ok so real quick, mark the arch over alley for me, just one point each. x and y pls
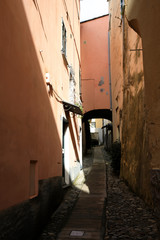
(95, 114)
(98, 113)
(95, 80)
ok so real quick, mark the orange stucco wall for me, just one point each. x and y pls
(31, 120)
(94, 60)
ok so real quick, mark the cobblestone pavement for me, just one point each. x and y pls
(59, 218)
(87, 219)
(127, 216)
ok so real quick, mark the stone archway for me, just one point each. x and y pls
(97, 113)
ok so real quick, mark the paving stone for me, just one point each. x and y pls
(127, 216)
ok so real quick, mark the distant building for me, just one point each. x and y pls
(94, 58)
(96, 131)
(96, 88)
(101, 132)
(40, 123)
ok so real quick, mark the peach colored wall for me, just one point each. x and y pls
(94, 60)
(31, 121)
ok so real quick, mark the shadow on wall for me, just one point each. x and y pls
(73, 136)
(28, 131)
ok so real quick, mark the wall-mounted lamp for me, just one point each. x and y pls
(47, 78)
(49, 85)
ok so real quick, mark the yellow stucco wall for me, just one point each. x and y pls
(143, 17)
(116, 67)
(130, 71)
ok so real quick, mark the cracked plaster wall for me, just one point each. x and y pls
(144, 17)
(135, 89)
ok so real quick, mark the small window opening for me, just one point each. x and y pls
(64, 39)
(33, 191)
(72, 86)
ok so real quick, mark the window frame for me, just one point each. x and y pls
(64, 39)
(33, 179)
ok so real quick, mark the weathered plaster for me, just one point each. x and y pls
(94, 60)
(130, 95)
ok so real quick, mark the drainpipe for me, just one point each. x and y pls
(109, 64)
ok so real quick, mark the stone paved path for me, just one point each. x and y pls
(128, 218)
(87, 218)
(59, 218)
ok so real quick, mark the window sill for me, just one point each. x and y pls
(33, 196)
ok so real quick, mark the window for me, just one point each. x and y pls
(118, 133)
(93, 124)
(80, 84)
(72, 86)
(64, 39)
(33, 191)
(109, 22)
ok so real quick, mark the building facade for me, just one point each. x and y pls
(94, 58)
(134, 50)
(95, 77)
(40, 121)
(145, 21)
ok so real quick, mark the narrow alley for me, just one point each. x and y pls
(101, 206)
(79, 120)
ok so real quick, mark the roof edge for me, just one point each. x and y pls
(95, 18)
